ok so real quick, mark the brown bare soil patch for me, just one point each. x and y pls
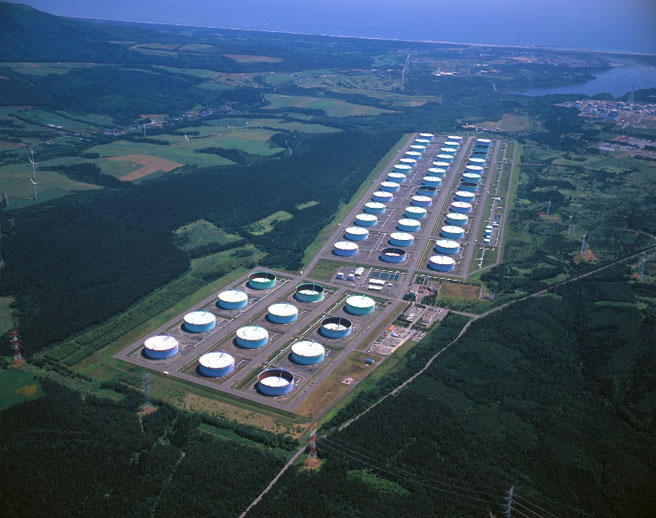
(589, 256)
(10, 145)
(312, 463)
(151, 164)
(552, 217)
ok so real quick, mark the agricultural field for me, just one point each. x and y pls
(17, 386)
(332, 107)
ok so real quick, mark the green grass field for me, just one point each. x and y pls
(17, 386)
(201, 233)
(332, 107)
(7, 321)
(267, 224)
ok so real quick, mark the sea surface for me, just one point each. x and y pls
(615, 82)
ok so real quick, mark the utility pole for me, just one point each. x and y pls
(509, 503)
(146, 383)
(583, 243)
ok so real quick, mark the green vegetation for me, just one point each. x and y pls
(17, 386)
(331, 107)
(267, 224)
(202, 233)
(7, 320)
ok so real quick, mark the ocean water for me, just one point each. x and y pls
(615, 82)
(561, 23)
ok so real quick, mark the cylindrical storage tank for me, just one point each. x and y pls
(483, 142)
(471, 178)
(441, 263)
(449, 151)
(443, 157)
(457, 219)
(489, 227)
(477, 161)
(441, 164)
(374, 207)
(160, 347)
(401, 239)
(308, 352)
(437, 171)
(356, 233)
(393, 255)
(233, 299)
(461, 207)
(447, 246)
(275, 382)
(421, 201)
(415, 155)
(366, 220)
(452, 143)
(402, 169)
(282, 313)
(471, 187)
(396, 177)
(418, 148)
(415, 212)
(199, 321)
(335, 327)
(408, 225)
(427, 190)
(360, 305)
(464, 196)
(261, 280)
(486, 241)
(216, 364)
(345, 248)
(382, 196)
(410, 162)
(427, 136)
(422, 142)
(309, 292)
(480, 152)
(389, 187)
(476, 169)
(252, 337)
(454, 137)
(452, 232)
(433, 181)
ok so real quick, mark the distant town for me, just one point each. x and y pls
(636, 115)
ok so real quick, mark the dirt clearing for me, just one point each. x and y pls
(151, 164)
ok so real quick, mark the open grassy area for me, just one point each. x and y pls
(267, 224)
(201, 233)
(332, 107)
(17, 386)
(457, 290)
(325, 270)
(7, 320)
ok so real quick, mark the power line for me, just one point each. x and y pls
(438, 480)
(341, 452)
(529, 510)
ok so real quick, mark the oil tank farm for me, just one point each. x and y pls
(396, 177)
(366, 220)
(465, 196)
(415, 212)
(427, 136)
(335, 327)
(360, 305)
(471, 178)
(410, 162)
(457, 219)
(382, 196)
(308, 352)
(427, 190)
(421, 201)
(402, 168)
(389, 187)
(252, 337)
(345, 248)
(282, 313)
(443, 157)
(160, 347)
(401, 239)
(232, 299)
(216, 364)
(454, 138)
(461, 207)
(275, 382)
(393, 255)
(199, 321)
(441, 263)
(432, 181)
(374, 207)
(452, 232)
(309, 292)
(447, 246)
(437, 171)
(441, 164)
(408, 225)
(415, 155)
(356, 233)
(262, 280)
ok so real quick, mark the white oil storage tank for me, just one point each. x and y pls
(382, 196)
(374, 207)
(252, 337)
(401, 239)
(408, 225)
(389, 187)
(461, 207)
(415, 212)
(308, 352)
(441, 263)
(421, 201)
(232, 299)
(360, 305)
(216, 364)
(282, 313)
(160, 347)
(452, 232)
(396, 177)
(345, 248)
(199, 321)
(465, 196)
(433, 181)
(457, 219)
(447, 246)
(366, 220)
(356, 233)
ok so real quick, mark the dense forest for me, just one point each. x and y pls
(553, 396)
(101, 457)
